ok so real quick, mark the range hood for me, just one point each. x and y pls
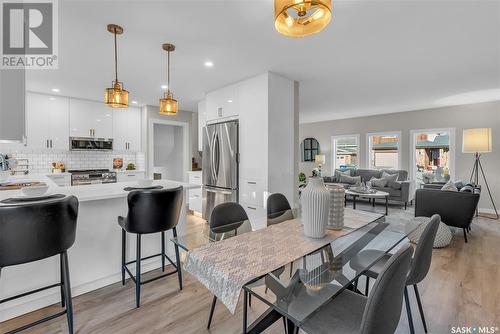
(90, 144)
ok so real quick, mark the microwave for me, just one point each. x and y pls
(90, 144)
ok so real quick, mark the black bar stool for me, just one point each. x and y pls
(151, 211)
(36, 231)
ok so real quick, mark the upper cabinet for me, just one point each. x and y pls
(202, 122)
(47, 121)
(90, 119)
(12, 105)
(127, 129)
(222, 103)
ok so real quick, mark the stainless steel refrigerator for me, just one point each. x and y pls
(220, 165)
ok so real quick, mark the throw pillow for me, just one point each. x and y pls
(378, 183)
(394, 184)
(390, 177)
(349, 179)
(459, 184)
(449, 186)
(339, 172)
(467, 189)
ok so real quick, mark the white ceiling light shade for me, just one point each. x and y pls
(208, 63)
(55, 90)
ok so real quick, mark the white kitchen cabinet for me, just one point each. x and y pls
(127, 129)
(222, 103)
(47, 120)
(202, 122)
(12, 104)
(126, 176)
(253, 192)
(195, 195)
(255, 213)
(91, 119)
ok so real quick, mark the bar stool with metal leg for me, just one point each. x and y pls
(37, 231)
(151, 211)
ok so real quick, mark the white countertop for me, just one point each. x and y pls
(93, 192)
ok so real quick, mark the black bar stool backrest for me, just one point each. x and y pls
(36, 231)
(227, 213)
(276, 205)
(153, 211)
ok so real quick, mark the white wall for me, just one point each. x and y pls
(459, 117)
(167, 143)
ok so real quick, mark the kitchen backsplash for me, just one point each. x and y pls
(40, 161)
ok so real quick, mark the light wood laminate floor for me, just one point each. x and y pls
(461, 289)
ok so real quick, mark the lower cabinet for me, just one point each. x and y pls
(195, 196)
(129, 176)
(62, 180)
(256, 214)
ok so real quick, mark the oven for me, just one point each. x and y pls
(92, 176)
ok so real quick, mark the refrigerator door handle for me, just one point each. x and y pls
(225, 192)
(212, 156)
(217, 158)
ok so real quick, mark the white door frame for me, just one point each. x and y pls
(413, 162)
(334, 150)
(185, 145)
(384, 133)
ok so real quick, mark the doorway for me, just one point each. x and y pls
(168, 150)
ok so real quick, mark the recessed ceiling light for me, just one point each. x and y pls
(209, 64)
(230, 101)
(56, 90)
(134, 102)
(164, 86)
(52, 98)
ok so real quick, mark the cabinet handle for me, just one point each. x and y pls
(252, 182)
(219, 112)
(47, 144)
(251, 208)
(51, 143)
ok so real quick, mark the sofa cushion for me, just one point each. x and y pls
(394, 184)
(367, 174)
(467, 189)
(338, 172)
(449, 186)
(393, 193)
(390, 177)
(349, 179)
(402, 174)
(380, 183)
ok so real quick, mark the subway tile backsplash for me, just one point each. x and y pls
(40, 160)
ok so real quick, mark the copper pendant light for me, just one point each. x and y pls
(116, 96)
(168, 105)
(300, 18)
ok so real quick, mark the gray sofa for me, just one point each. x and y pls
(401, 191)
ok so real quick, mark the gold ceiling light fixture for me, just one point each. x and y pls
(116, 96)
(300, 18)
(168, 105)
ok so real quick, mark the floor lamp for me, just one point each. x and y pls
(478, 141)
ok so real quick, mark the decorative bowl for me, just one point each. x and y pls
(35, 191)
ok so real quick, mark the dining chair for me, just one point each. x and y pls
(351, 312)
(419, 268)
(276, 205)
(37, 231)
(151, 211)
(230, 215)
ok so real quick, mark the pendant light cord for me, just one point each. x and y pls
(168, 72)
(116, 60)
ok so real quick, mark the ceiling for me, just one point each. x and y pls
(374, 57)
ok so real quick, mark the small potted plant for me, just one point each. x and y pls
(130, 166)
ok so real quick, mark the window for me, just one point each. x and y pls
(310, 148)
(384, 150)
(345, 152)
(433, 154)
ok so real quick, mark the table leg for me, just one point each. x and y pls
(373, 202)
(245, 303)
(354, 202)
(386, 205)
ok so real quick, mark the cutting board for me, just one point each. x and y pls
(16, 186)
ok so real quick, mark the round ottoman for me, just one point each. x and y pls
(443, 236)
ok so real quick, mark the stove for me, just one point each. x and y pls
(92, 176)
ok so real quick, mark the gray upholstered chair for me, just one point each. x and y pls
(419, 267)
(351, 312)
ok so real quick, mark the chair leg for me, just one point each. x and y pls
(63, 301)
(124, 250)
(408, 311)
(178, 260)
(67, 292)
(355, 285)
(163, 251)
(138, 272)
(212, 309)
(367, 286)
(406, 205)
(291, 269)
(420, 308)
(250, 300)
(465, 235)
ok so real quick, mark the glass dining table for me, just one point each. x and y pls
(297, 290)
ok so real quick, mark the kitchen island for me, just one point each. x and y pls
(95, 258)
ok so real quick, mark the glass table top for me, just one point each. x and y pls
(298, 289)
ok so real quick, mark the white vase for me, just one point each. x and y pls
(336, 215)
(315, 201)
